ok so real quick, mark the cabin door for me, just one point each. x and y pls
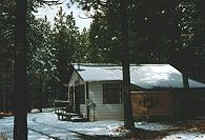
(77, 99)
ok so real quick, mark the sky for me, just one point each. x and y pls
(50, 12)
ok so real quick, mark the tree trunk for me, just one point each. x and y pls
(127, 97)
(185, 80)
(125, 65)
(20, 95)
(41, 94)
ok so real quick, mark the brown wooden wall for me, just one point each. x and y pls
(152, 103)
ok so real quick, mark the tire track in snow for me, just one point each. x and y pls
(85, 136)
(34, 120)
(44, 134)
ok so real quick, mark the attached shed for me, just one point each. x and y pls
(94, 90)
(149, 104)
(174, 104)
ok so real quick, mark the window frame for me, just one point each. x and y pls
(110, 86)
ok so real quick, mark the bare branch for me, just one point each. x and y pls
(50, 2)
(91, 16)
(102, 3)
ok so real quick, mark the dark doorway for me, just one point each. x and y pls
(79, 97)
(77, 100)
(71, 96)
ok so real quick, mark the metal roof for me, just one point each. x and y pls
(146, 76)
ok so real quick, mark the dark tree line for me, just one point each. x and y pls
(158, 32)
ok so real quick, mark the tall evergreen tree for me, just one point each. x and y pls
(7, 20)
(41, 60)
(65, 40)
(21, 80)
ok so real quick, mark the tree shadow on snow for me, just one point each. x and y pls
(135, 134)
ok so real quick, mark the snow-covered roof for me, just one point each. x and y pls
(146, 76)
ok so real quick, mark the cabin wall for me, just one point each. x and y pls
(73, 83)
(75, 79)
(102, 111)
(146, 104)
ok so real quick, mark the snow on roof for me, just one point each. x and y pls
(146, 76)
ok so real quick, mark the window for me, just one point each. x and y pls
(111, 93)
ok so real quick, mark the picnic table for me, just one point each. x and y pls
(63, 110)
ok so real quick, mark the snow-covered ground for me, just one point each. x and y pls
(45, 126)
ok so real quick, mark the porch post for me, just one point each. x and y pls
(74, 105)
(87, 98)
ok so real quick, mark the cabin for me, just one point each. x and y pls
(95, 91)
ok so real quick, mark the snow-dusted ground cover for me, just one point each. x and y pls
(46, 126)
(183, 135)
(152, 126)
(175, 135)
